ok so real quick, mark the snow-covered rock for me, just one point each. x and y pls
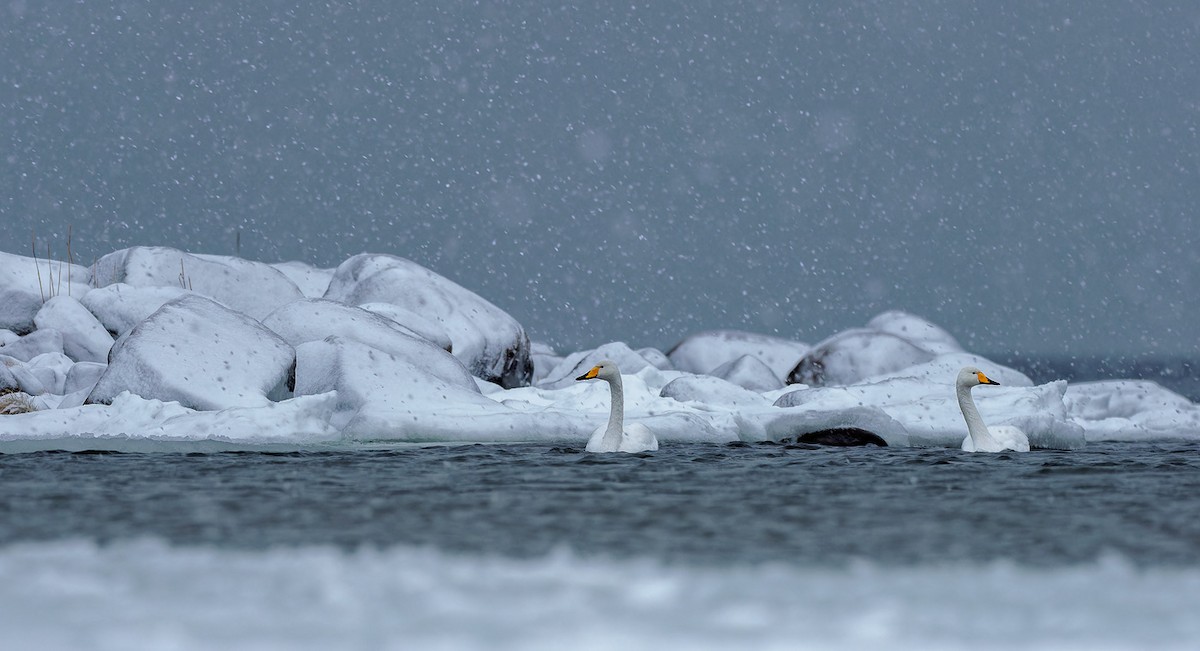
(545, 359)
(795, 424)
(19, 375)
(916, 331)
(412, 321)
(1125, 410)
(710, 390)
(38, 342)
(748, 372)
(84, 338)
(944, 368)
(120, 307)
(704, 351)
(51, 371)
(200, 354)
(312, 281)
(315, 319)
(891, 342)
(83, 376)
(854, 355)
(26, 283)
(576, 364)
(487, 340)
(381, 396)
(252, 288)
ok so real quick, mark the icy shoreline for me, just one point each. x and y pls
(237, 355)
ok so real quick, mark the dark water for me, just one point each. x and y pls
(685, 503)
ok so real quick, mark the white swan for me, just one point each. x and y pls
(979, 437)
(616, 436)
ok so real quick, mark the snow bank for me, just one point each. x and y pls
(191, 369)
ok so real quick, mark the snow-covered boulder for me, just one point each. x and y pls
(84, 339)
(854, 355)
(657, 358)
(315, 319)
(709, 390)
(120, 307)
(38, 342)
(51, 370)
(200, 354)
(916, 331)
(704, 351)
(858, 422)
(398, 397)
(545, 359)
(576, 364)
(944, 369)
(892, 341)
(18, 374)
(252, 288)
(1125, 410)
(83, 376)
(312, 281)
(26, 283)
(412, 321)
(748, 372)
(492, 345)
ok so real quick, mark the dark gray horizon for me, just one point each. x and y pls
(1023, 174)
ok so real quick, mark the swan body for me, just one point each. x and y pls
(981, 438)
(616, 436)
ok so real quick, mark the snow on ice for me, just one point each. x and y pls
(219, 351)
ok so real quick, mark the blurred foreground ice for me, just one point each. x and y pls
(146, 595)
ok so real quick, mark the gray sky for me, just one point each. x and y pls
(1024, 174)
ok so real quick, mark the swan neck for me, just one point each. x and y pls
(616, 415)
(970, 413)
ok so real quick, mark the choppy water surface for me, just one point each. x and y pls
(693, 504)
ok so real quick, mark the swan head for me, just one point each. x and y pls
(605, 370)
(970, 376)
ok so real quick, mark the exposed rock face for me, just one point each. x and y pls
(492, 345)
(200, 354)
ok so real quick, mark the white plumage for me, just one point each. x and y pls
(981, 438)
(616, 436)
